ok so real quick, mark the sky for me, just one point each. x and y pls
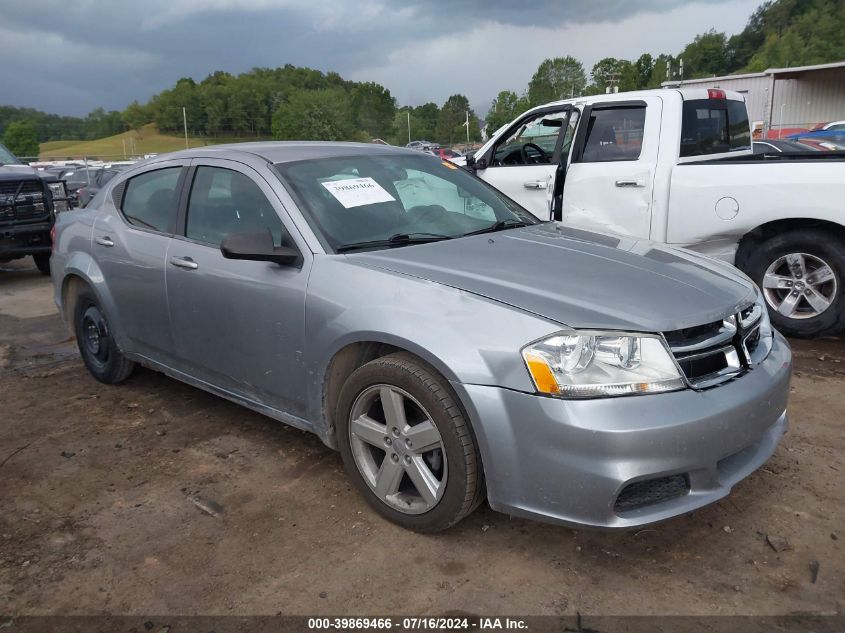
(71, 57)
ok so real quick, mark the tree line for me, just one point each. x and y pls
(301, 103)
(780, 33)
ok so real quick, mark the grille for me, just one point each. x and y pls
(22, 200)
(715, 352)
(644, 493)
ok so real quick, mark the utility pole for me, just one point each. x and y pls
(409, 126)
(185, 124)
(466, 123)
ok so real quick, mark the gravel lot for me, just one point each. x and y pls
(96, 485)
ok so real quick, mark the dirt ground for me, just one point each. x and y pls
(96, 481)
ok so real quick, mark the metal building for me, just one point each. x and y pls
(783, 100)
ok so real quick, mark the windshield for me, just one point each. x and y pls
(6, 157)
(354, 200)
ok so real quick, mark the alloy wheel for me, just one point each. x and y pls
(398, 449)
(799, 286)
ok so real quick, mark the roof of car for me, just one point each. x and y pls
(288, 151)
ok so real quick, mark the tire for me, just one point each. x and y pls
(42, 262)
(427, 401)
(783, 257)
(98, 348)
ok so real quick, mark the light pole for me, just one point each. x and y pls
(185, 124)
(409, 126)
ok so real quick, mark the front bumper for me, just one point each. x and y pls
(17, 240)
(567, 461)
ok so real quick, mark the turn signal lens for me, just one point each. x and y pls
(543, 377)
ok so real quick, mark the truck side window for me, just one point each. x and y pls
(150, 199)
(614, 134)
(533, 142)
(714, 126)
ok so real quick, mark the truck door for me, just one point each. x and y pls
(608, 185)
(522, 161)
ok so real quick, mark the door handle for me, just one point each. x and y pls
(630, 183)
(184, 262)
(105, 240)
(535, 184)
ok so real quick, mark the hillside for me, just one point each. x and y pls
(146, 141)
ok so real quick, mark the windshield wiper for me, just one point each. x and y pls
(508, 223)
(400, 239)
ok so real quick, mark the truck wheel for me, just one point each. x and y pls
(96, 344)
(406, 444)
(42, 262)
(801, 276)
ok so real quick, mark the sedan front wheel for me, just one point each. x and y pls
(406, 444)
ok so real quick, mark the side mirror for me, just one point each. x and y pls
(257, 247)
(476, 164)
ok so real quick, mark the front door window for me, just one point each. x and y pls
(533, 142)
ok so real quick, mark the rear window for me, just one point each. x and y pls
(714, 126)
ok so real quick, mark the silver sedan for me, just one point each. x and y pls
(448, 343)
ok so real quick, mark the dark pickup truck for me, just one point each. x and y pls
(29, 201)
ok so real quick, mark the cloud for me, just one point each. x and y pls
(493, 56)
(89, 53)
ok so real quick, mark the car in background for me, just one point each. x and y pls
(98, 181)
(422, 146)
(780, 146)
(76, 177)
(445, 153)
(833, 126)
(824, 140)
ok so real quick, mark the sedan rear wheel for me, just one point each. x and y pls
(97, 346)
(407, 445)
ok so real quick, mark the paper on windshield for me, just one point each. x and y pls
(356, 192)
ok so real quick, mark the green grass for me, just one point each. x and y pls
(147, 141)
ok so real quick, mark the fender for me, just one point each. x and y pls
(366, 305)
(83, 266)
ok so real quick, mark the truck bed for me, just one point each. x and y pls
(793, 157)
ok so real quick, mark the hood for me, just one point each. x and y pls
(578, 278)
(9, 171)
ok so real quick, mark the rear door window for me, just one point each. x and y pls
(714, 126)
(614, 134)
(150, 199)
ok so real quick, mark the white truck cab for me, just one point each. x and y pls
(676, 166)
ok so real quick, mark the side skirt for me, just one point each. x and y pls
(270, 412)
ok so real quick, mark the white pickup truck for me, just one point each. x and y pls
(676, 166)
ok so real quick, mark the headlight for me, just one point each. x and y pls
(758, 343)
(57, 189)
(600, 364)
(59, 194)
